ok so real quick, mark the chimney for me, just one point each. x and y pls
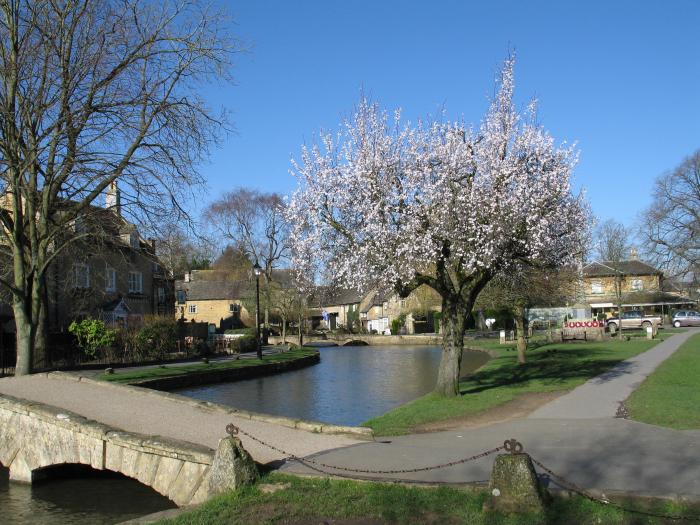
(633, 254)
(113, 200)
(153, 244)
(187, 277)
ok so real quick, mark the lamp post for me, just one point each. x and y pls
(257, 270)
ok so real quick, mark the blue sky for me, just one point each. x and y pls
(621, 78)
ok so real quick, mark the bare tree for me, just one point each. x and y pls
(93, 92)
(254, 222)
(670, 227)
(613, 247)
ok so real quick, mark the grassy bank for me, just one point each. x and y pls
(550, 368)
(196, 368)
(312, 501)
(670, 397)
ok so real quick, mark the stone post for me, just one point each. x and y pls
(514, 487)
(232, 467)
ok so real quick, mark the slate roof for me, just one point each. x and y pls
(213, 290)
(378, 299)
(609, 268)
(342, 296)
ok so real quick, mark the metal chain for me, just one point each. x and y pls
(604, 501)
(233, 430)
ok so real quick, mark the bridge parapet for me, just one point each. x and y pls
(34, 436)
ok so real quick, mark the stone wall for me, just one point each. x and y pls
(34, 436)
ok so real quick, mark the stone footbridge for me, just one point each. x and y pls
(371, 340)
(163, 440)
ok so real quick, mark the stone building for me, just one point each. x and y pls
(206, 296)
(643, 287)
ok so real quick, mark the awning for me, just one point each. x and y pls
(602, 305)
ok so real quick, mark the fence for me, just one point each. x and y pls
(511, 446)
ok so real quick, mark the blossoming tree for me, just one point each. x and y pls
(388, 205)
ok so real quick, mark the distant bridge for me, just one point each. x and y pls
(371, 340)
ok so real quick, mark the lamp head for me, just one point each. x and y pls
(257, 270)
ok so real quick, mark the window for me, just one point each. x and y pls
(192, 309)
(81, 275)
(110, 280)
(161, 295)
(596, 287)
(135, 282)
(233, 308)
(637, 285)
(79, 225)
(181, 297)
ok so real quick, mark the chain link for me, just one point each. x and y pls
(233, 430)
(511, 446)
(604, 501)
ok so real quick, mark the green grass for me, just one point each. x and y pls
(549, 368)
(195, 368)
(670, 397)
(312, 501)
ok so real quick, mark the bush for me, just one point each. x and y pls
(157, 337)
(437, 318)
(92, 335)
(245, 343)
(397, 324)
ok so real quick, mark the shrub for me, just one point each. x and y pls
(437, 317)
(245, 343)
(92, 335)
(397, 324)
(157, 337)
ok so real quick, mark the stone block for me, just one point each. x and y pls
(187, 482)
(166, 474)
(514, 487)
(113, 457)
(146, 467)
(232, 468)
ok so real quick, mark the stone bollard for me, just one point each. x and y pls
(232, 468)
(650, 332)
(503, 337)
(514, 487)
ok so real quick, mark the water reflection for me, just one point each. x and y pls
(351, 384)
(88, 497)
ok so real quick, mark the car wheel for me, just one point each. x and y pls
(646, 324)
(612, 326)
(677, 324)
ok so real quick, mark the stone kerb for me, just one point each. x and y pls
(34, 436)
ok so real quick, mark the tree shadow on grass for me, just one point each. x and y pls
(551, 367)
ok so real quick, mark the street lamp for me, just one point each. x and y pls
(257, 270)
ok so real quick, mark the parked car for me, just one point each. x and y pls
(686, 318)
(634, 319)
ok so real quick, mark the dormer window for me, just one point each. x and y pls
(637, 285)
(596, 288)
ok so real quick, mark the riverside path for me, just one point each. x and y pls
(577, 436)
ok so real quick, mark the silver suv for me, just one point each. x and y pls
(686, 318)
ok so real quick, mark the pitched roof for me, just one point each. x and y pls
(213, 290)
(343, 296)
(609, 268)
(377, 299)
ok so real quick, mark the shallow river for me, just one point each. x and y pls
(87, 498)
(350, 385)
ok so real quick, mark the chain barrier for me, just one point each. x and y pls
(234, 430)
(511, 446)
(604, 501)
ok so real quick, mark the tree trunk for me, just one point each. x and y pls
(284, 329)
(453, 327)
(301, 329)
(520, 322)
(25, 340)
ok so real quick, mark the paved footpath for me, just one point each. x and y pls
(149, 412)
(577, 437)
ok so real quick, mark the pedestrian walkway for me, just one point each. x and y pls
(577, 436)
(602, 395)
(152, 413)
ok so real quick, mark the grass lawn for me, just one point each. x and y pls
(313, 501)
(670, 397)
(552, 367)
(194, 368)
